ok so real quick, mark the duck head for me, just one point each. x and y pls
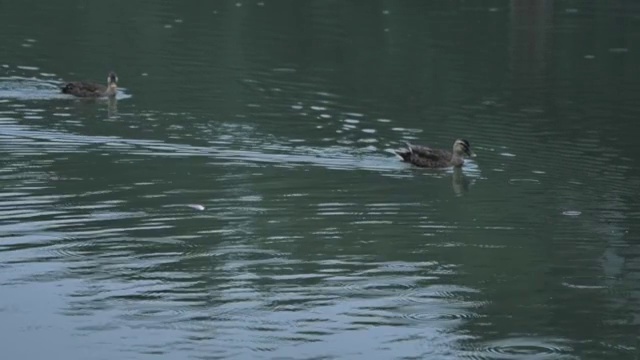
(461, 147)
(112, 78)
(112, 83)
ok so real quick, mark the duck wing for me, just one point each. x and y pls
(84, 89)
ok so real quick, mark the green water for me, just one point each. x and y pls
(315, 242)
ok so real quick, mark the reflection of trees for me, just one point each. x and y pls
(576, 96)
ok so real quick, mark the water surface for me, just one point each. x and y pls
(240, 198)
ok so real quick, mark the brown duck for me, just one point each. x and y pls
(90, 90)
(423, 156)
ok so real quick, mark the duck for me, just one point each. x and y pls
(426, 157)
(91, 90)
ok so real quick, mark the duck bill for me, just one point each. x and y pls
(471, 154)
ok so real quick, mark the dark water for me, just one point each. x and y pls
(315, 242)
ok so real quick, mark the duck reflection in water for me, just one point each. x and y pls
(112, 107)
(459, 182)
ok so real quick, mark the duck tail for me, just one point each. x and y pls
(66, 88)
(409, 146)
(405, 155)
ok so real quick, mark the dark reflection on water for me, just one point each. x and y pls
(241, 199)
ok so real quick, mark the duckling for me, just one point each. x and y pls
(85, 89)
(423, 156)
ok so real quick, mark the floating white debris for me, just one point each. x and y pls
(196, 207)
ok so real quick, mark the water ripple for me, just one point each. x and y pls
(244, 200)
